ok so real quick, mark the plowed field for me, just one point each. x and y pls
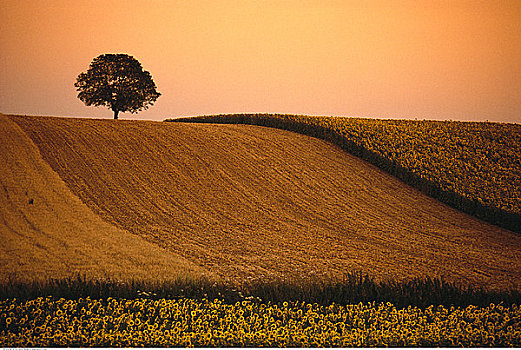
(47, 232)
(247, 202)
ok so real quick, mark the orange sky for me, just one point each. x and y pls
(428, 59)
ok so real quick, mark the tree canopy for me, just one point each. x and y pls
(118, 82)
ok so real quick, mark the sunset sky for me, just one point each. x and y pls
(424, 59)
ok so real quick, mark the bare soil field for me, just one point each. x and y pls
(47, 232)
(239, 202)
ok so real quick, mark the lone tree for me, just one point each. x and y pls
(118, 82)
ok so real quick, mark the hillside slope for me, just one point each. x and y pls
(47, 232)
(252, 202)
(471, 166)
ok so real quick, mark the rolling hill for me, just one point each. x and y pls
(474, 167)
(47, 232)
(239, 202)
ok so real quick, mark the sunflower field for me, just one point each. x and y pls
(185, 322)
(472, 166)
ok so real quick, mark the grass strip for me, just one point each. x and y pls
(352, 289)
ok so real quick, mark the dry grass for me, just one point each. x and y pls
(248, 202)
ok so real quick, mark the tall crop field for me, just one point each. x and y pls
(45, 322)
(358, 312)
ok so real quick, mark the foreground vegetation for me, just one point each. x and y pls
(45, 322)
(474, 167)
(352, 289)
(357, 311)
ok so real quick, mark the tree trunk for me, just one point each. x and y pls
(116, 112)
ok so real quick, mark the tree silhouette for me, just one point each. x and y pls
(118, 82)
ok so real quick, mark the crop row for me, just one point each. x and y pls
(46, 322)
(472, 166)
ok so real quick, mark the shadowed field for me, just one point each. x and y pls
(242, 202)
